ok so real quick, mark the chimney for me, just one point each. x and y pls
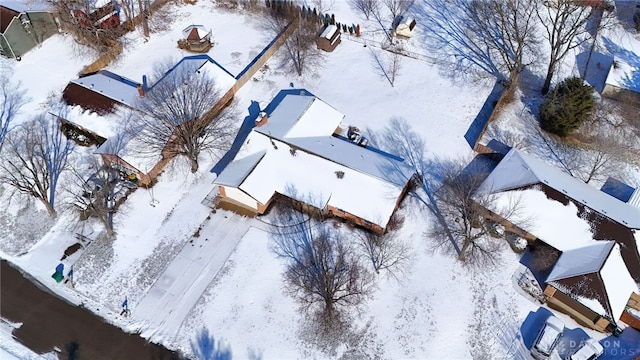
(262, 119)
(144, 83)
(140, 90)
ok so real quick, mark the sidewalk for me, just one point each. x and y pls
(162, 310)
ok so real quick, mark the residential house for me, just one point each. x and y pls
(329, 38)
(23, 26)
(595, 234)
(296, 151)
(102, 92)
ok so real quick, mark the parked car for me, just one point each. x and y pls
(590, 350)
(547, 338)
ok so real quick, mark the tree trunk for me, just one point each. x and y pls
(50, 209)
(194, 165)
(547, 81)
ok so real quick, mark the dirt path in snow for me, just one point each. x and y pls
(50, 322)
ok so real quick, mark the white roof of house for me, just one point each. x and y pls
(202, 31)
(618, 283)
(307, 177)
(329, 31)
(299, 116)
(295, 154)
(624, 75)
(111, 85)
(204, 65)
(581, 261)
(518, 169)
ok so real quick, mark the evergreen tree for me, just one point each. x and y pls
(344, 28)
(333, 19)
(567, 107)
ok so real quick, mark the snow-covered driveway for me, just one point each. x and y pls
(163, 309)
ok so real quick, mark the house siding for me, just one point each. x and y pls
(583, 315)
(18, 41)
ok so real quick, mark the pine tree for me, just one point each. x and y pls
(333, 19)
(567, 107)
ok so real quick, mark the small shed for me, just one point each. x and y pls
(623, 81)
(329, 38)
(406, 26)
(196, 38)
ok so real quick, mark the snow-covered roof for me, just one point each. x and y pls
(553, 222)
(301, 116)
(329, 31)
(306, 177)
(200, 30)
(111, 85)
(238, 170)
(624, 75)
(121, 145)
(296, 154)
(203, 64)
(580, 261)
(617, 281)
(518, 169)
(26, 5)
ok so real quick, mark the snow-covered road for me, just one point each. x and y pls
(165, 306)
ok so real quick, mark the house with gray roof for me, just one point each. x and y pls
(297, 151)
(24, 25)
(591, 266)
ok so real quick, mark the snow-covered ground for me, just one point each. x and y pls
(440, 309)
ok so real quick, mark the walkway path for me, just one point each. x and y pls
(165, 306)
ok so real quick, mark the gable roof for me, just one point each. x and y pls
(6, 16)
(517, 170)
(111, 85)
(604, 288)
(580, 261)
(296, 154)
(625, 74)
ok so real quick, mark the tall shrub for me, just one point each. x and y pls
(567, 107)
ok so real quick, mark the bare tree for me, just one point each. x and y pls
(386, 251)
(12, 97)
(92, 26)
(398, 7)
(564, 22)
(299, 49)
(322, 270)
(182, 115)
(495, 37)
(367, 7)
(472, 218)
(36, 155)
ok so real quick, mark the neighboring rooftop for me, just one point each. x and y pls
(624, 75)
(518, 170)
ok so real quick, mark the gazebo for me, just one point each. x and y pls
(196, 38)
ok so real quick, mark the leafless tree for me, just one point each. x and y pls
(91, 26)
(299, 49)
(398, 7)
(12, 97)
(495, 37)
(182, 114)
(96, 191)
(367, 7)
(322, 271)
(564, 23)
(35, 156)
(387, 252)
(472, 218)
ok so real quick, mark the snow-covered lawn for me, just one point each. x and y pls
(440, 309)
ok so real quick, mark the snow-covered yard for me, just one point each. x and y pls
(440, 309)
